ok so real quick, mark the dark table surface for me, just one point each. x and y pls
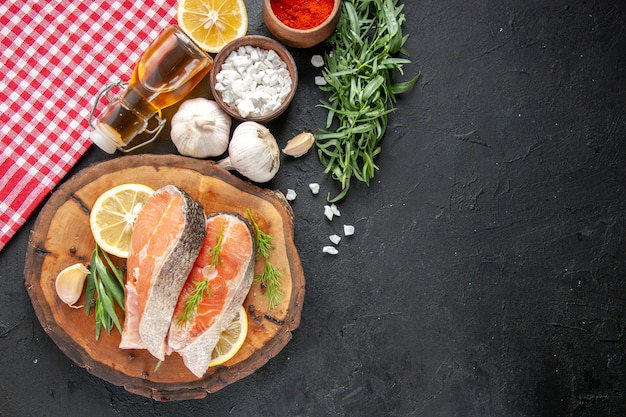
(487, 274)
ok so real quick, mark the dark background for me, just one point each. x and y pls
(487, 273)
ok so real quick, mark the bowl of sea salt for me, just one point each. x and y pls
(253, 78)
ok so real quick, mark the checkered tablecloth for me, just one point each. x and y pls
(56, 56)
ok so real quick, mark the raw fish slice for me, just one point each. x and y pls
(167, 237)
(229, 284)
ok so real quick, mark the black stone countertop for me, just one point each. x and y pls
(487, 273)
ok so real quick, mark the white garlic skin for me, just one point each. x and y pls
(253, 152)
(69, 283)
(200, 128)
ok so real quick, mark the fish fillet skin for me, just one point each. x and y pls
(229, 284)
(167, 237)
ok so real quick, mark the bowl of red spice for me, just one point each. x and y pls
(301, 23)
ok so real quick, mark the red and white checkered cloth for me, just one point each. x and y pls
(56, 56)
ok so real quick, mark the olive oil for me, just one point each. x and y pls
(166, 72)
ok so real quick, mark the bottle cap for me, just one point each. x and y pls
(103, 139)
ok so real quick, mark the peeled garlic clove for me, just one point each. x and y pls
(69, 283)
(299, 144)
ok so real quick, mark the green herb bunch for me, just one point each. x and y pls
(104, 288)
(365, 55)
(270, 277)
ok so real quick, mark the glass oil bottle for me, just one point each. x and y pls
(166, 72)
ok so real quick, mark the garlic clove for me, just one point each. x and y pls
(299, 144)
(69, 283)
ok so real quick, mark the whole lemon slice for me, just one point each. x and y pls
(113, 216)
(213, 23)
(231, 339)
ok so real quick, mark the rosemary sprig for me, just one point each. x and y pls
(270, 278)
(104, 288)
(359, 73)
(202, 288)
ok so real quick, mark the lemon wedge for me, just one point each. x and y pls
(213, 23)
(231, 339)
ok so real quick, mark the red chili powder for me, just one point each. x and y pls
(302, 14)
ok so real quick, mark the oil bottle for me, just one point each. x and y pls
(165, 73)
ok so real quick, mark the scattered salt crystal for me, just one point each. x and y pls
(330, 249)
(317, 61)
(291, 195)
(328, 212)
(348, 230)
(319, 80)
(335, 239)
(335, 210)
(314, 187)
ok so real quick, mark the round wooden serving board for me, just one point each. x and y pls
(62, 237)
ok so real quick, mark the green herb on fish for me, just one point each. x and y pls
(202, 288)
(104, 288)
(270, 278)
(359, 74)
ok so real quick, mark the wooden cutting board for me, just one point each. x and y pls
(62, 237)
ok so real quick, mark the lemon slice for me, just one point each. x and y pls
(213, 23)
(113, 216)
(231, 339)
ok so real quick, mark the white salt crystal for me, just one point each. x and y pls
(272, 56)
(335, 210)
(245, 107)
(335, 239)
(291, 195)
(317, 61)
(328, 212)
(319, 80)
(330, 249)
(348, 230)
(314, 187)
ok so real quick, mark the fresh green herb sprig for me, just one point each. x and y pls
(202, 288)
(270, 280)
(105, 288)
(360, 77)
(270, 277)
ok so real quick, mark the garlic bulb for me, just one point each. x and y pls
(253, 152)
(69, 283)
(200, 128)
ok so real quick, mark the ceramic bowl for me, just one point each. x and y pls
(261, 42)
(300, 38)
